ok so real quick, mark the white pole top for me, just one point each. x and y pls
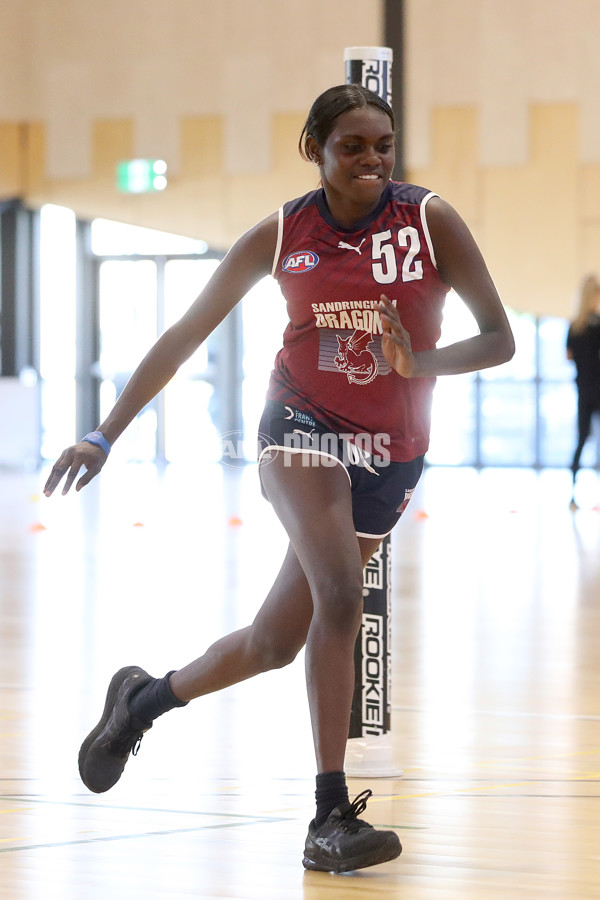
(381, 53)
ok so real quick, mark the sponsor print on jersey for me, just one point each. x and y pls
(300, 261)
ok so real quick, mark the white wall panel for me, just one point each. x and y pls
(158, 61)
(501, 57)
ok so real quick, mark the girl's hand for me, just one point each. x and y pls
(395, 341)
(70, 462)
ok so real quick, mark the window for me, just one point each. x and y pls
(522, 413)
(57, 328)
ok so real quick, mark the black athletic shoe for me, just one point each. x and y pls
(344, 842)
(106, 749)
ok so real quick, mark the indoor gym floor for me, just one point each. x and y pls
(496, 693)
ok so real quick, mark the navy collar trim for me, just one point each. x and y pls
(325, 212)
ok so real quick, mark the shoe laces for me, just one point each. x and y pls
(129, 743)
(349, 818)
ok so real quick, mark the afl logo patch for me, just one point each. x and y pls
(302, 261)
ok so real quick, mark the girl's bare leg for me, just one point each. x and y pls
(314, 505)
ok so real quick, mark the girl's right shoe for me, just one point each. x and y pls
(344, 842)
(106, 749)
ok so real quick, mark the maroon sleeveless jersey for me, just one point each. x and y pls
(331, 362)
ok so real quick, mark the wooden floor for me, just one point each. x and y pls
(496, 687)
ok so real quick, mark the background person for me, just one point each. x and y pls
(583, 348)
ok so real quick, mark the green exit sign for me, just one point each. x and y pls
(139, 176)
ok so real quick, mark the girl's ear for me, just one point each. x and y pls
(313, 151)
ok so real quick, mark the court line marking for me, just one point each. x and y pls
(4, 812)
(495, 786)
(146, 809)
(127, 837)
(504, 714)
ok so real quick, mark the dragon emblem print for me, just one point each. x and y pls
(355, 359)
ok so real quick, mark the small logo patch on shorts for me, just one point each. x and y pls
(407, 495)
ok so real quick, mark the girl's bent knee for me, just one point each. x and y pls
(340, 604)
(340, 591)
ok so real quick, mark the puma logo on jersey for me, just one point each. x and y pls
(344, 246)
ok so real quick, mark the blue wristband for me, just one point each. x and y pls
(97, 438)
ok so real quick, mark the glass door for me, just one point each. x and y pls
(128, 320)
(145, 282)
(192, 399)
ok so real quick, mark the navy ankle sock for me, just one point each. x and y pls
(154, 699)
(331, 792)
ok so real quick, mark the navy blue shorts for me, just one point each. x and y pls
(381, 489)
